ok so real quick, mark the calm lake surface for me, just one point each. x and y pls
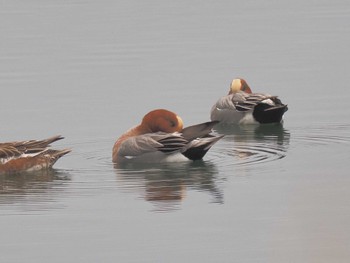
(89, 70)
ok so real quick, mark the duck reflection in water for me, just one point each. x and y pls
(166, 185)
(250, 143)
(32, 190)
(275, 132)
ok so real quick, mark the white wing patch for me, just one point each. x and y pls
(23, 155)
(269, 102)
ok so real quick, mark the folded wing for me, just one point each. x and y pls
(193, 142)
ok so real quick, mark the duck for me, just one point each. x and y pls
(160, 137)
(242, 106)
(29, 156)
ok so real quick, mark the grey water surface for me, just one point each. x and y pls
(90, 70)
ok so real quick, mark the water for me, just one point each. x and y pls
(91, 70)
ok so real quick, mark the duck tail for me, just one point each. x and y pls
(199, 147)
(33, 146)
(52, 155)
(46, 142)
(265, 113)
(198, 130)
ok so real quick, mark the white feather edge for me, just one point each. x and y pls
(23, 155)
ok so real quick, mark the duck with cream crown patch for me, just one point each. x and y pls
(242, 106)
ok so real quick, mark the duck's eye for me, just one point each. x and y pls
(172, 123)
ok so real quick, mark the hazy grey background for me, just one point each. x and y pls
(89, 70)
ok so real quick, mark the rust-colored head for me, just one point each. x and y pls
(239, 85)
(162, 120)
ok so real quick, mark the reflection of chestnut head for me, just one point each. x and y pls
(161, 191)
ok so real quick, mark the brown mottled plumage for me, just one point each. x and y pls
(32, 155)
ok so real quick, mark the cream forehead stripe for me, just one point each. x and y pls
(236, 85)
(180, 121)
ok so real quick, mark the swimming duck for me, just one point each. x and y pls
(241, 106)
(27, 156)
(161, 138)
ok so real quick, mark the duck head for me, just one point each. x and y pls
(239, 85)
(162, 120)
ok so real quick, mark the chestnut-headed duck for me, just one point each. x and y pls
(242, 106)
(161, 138)
(27, 156)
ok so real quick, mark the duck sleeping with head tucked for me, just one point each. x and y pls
(161, 138)
(242, 106)
(29, 156)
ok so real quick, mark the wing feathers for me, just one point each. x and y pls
(15, 149)
(193, 138)
(199, 130)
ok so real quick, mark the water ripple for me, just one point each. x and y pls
(35, 191)
(251, 145)
(323, 134)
